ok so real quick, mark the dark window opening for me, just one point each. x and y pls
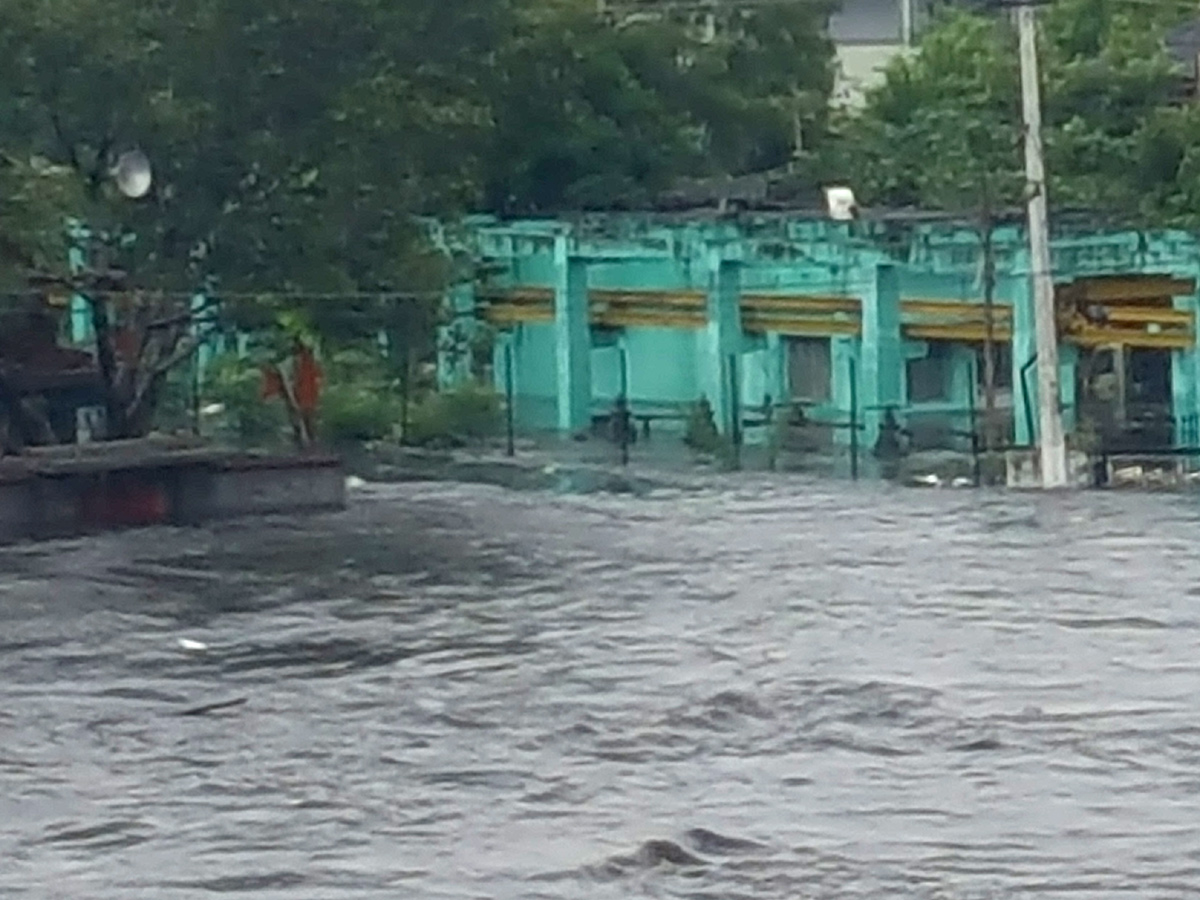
(809, 369)
(929, 378)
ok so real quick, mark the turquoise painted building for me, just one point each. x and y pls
(763, 315)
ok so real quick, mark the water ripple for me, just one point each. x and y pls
(767, 689)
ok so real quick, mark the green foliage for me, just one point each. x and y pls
(234, 406)
(944, 130)
(358, 412)
(589, 112)
(294, 139)
(33, 197)
(361, 401)
(471, 413)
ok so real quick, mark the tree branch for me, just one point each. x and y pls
(67, 145)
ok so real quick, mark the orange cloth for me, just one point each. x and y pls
(272, 383)
(307, 381)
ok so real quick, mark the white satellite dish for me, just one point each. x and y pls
(132, 174)
(840, 203)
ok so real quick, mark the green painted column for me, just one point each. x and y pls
(572, 339)
(882, 357)
(722, 338)
(1024, 349)
(204, 317)
(454, 363)
(1024, 346)
(1185, 378)
(1068, 363)
(776, 367)
(78, 236)
(845, 359)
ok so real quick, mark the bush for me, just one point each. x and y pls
(358, 411)
(233, 386)
(471, 413)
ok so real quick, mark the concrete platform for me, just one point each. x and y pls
(66, 491)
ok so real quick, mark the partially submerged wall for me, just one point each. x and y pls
(46, 503)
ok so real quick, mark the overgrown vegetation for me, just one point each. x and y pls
(943, 131)
(296, 144)
(362, 403)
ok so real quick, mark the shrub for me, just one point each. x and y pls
(234, 386)
(359, 411)
(469, 413)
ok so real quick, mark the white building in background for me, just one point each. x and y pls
(867, 34)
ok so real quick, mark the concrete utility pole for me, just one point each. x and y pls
(1052, 443)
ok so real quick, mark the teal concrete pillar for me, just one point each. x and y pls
(882, 358)
(776, 367)
(1024, 348)
(203, 319)
(721, 341)
(1068, 364)
(962, 377)
(78, 236)
(455, 364)
(1185, 376)
(1024, 367)
(572, 339)
(845, 396)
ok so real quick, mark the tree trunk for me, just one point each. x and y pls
(106, 361)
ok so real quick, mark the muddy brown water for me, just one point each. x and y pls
(763, 689)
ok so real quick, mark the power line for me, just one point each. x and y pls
(293, 296)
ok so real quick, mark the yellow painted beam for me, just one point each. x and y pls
(954, 309)
(1126, 288)
(784, 314)
(968, 333)
(688, 299)
(814, 327)
(800, 303)
(1148, 315)
(619, 318)
(505, 314)
(1104, 337)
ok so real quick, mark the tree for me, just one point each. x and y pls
(592, 112)
(950, 116)
(296, 142)
(943, 131)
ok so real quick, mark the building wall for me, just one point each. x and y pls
(931, 384)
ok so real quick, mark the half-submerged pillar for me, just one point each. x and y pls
(1068, 366)
(1185, 381)
(882, 366)
(775, 363)
(1024, 357)
(1024, 369)
(572, 339)
(720, 356)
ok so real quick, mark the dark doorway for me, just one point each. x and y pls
(1125, 397)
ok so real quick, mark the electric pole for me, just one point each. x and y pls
(1051, 443)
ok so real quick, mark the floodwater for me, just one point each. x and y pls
(778, 689)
